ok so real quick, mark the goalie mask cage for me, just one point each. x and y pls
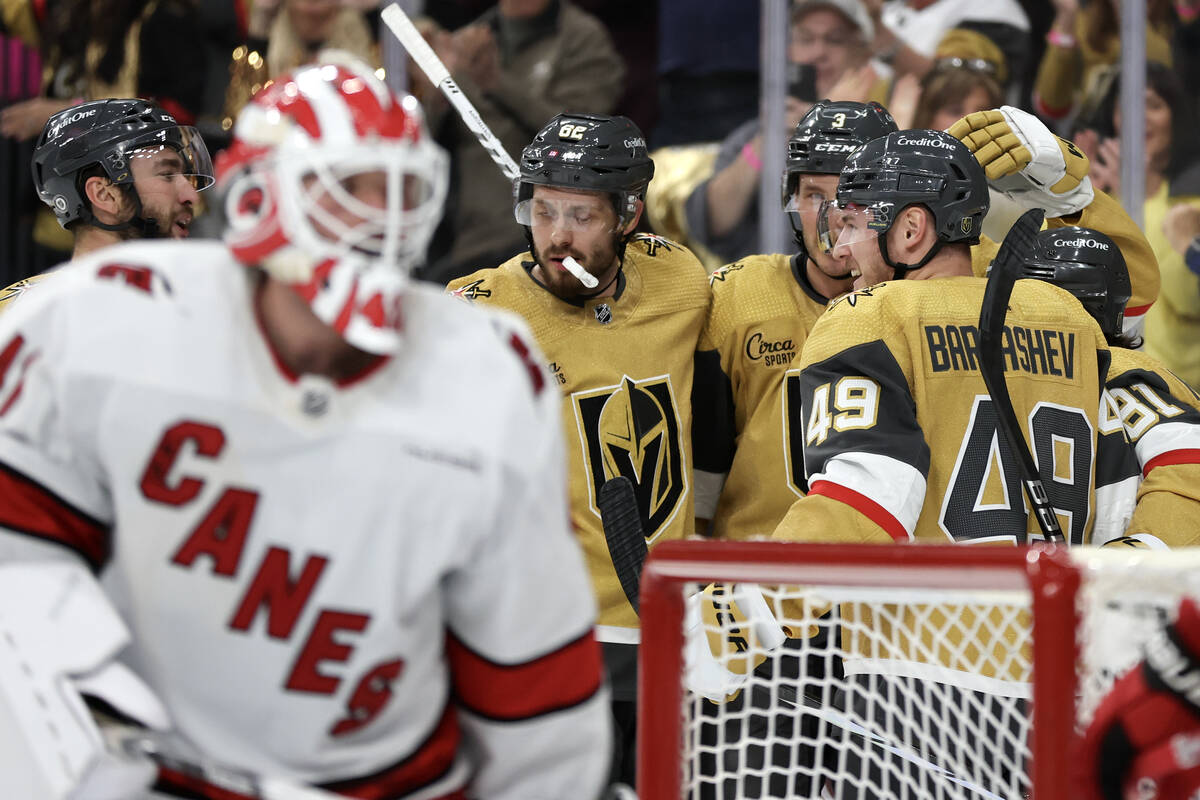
(921, 671)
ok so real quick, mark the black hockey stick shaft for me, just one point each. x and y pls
(1017, 244)
(624, 533)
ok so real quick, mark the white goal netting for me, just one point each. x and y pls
(903, 678)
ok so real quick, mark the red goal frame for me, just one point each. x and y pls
(1047, 572)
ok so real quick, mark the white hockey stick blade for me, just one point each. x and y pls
(399, 23)
(585, 277)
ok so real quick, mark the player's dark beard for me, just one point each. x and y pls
(597, 256)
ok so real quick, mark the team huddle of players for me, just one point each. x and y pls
(365, 479)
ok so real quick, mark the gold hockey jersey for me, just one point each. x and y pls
(1160, 414)
(900, 436)
(762, 310)
(1107, 216)
(624, 365)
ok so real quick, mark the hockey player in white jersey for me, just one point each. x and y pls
(317, 510)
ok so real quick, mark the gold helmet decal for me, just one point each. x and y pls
(632, 430)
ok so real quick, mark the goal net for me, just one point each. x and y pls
(921, 672)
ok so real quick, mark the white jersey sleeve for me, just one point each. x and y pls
(526, 667)
(51, 480)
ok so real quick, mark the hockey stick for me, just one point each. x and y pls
(1019, 242)
(623, 531)
(439, 76)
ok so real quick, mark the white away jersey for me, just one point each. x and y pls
(328, 583)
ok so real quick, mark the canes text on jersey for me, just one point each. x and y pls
(218, 539)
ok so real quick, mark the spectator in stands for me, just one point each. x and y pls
(831, 36)
(708, 69)
(279, 42)
(1081, 42)
(907, 32)
(969, 74)
(94, 49)
(520, 63)
(1172, 169)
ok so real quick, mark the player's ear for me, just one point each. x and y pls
(103, 196)
(633, 222)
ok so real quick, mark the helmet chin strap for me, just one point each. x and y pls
(144, 227)
(902, 270)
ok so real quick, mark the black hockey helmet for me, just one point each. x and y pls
(917, 167)
(827, 135)
(104, 133)
(591, 152)
(1090, 266)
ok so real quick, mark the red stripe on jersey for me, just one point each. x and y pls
(1171, 457)
(431, 761)
(1137, 311)
(863, 505)
(29, 508)
(511, 692)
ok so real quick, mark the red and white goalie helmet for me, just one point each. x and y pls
(293, 180)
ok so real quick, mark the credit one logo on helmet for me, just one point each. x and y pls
(1082, 243)
(56, 129)
(926, 141)
(633, 430)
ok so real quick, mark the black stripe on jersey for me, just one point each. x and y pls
(895, 432)
(1116, 460)
(714, 430)
(1156, 382)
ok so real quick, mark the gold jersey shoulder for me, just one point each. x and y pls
(15, 291)
(755, 289)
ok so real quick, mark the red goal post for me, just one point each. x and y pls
(1042, 584)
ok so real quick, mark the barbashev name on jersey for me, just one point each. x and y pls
(1037, 351)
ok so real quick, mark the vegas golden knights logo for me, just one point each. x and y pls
(632, 430)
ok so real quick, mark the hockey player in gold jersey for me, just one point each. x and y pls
(1157, 411)
(621, 353)
(763, 307)
(898, 431)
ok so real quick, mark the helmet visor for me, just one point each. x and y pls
(841, 225)
(179, 152)
(585, 213)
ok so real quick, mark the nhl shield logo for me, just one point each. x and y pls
(632, 430)
(603, 313)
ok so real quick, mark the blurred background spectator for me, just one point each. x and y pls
(1172, 169)
(1082, 41)
(968, 75)
(708, 69)
(908, 31)
(829, 58)
(520, 63)
(284, 34)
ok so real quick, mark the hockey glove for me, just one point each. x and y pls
(1023, 159)
(1145, 738)
(730, 630)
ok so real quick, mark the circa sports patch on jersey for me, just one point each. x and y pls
(633, 430)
